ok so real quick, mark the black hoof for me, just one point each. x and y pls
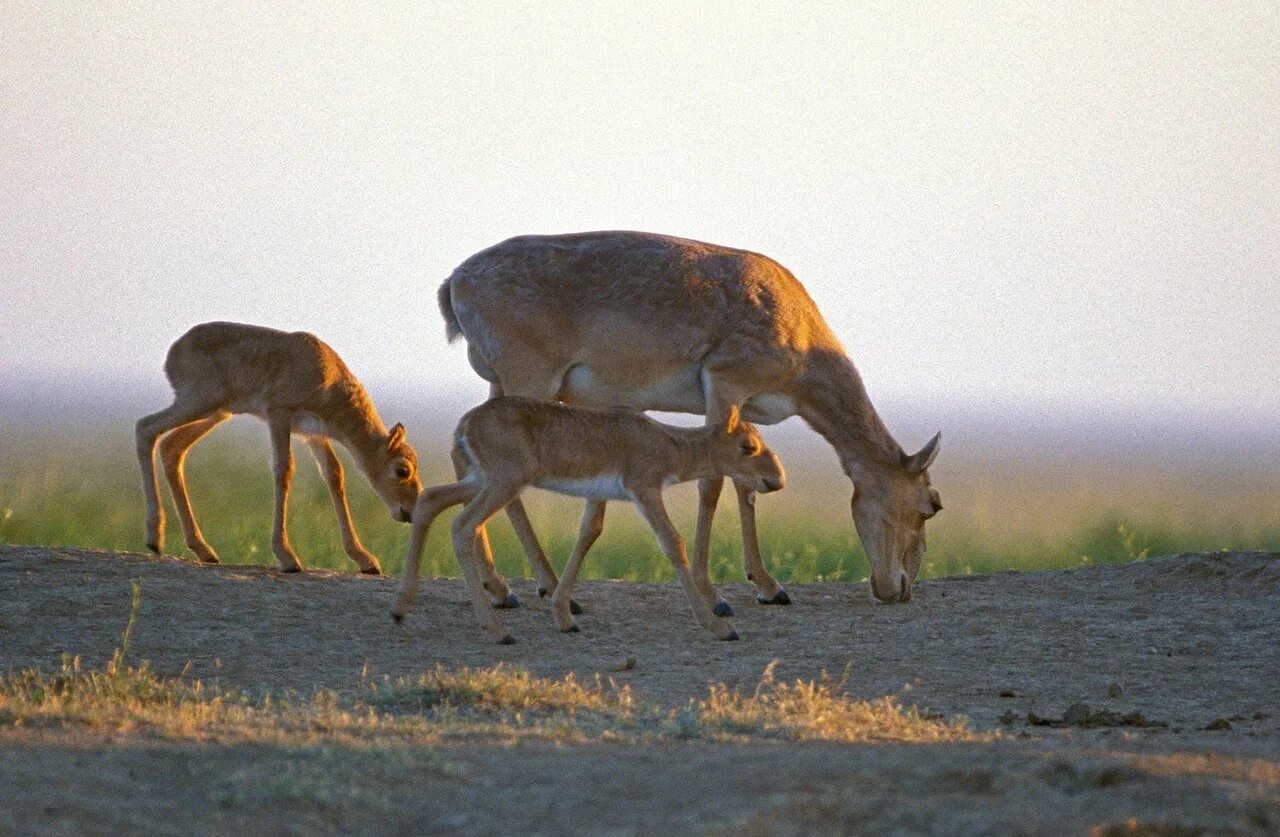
(575, 608)
(722, 608)
(574, 630)
(154, 548)
(732, 637)
(509, 603)
(779, 598)
(507, 640)
(397, 618)
(293, 569)
(542, 592)
(371, 571)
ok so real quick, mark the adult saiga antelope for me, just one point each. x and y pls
(653, 322)
(297, 384)
(508, 444)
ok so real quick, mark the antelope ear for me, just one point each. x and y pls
(396, 437)
(923, 458)
(731, 423)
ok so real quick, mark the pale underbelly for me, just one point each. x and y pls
(304, 424)
(677, 392)
(607, 487)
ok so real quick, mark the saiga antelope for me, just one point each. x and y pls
(652, 322)
(508, 444)
(297, 384)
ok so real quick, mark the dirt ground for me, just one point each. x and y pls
(1185, 640)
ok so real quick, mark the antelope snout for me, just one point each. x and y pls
(892, 592)
(402, 514)
(771, 484)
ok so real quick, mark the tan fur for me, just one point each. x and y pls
(653, 322)
(510, 443)
(297, 384)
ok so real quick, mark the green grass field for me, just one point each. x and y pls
(69, 487)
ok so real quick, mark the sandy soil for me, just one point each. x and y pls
(1183, 640)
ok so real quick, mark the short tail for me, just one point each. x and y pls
(452, 330)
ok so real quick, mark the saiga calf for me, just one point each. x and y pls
(297, 384)
(510, 443)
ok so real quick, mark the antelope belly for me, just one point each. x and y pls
(606, 487)
(675, 390)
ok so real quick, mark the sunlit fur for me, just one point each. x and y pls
(298, 385)
(653, 322)
(508, 444)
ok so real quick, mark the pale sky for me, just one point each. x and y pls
(1014, 204)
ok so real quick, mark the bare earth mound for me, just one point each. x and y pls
(1145, 693)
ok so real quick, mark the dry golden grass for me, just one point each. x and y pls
(809, 710)
(500, 703)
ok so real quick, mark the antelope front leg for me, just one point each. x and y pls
(562, 601)
(673, 547)
(708, 497)
(502, 597)
(769, 591)
(280, 423)
(430, 503)
(468, 528)
(331, 470)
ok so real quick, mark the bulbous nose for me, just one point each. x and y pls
(771, 484)
(404, 515)
(893, 593)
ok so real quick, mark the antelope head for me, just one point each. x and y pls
(743, 456)
(889, 511)
(392, 467)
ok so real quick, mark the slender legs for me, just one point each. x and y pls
(708, 496)
(673, 547)
(542, 569)
(180, 426)
(561, 601)
(532, 549)
(173, 455)
(768, 590)
(494, 583)
(429, 506)
(331, 470)
(280, 425)
(468, 529)
(147, 432)
(720, 396)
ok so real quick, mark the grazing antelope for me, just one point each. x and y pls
(651, 322)
(297, 384)
(508, 444)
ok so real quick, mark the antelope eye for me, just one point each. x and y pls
(403, 472)
(750, 448)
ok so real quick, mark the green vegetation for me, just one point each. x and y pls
(64, 489)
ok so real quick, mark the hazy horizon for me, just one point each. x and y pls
(972, 434)
(1002, 208)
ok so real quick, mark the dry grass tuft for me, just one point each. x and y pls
(503, 689)
(808, 710)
